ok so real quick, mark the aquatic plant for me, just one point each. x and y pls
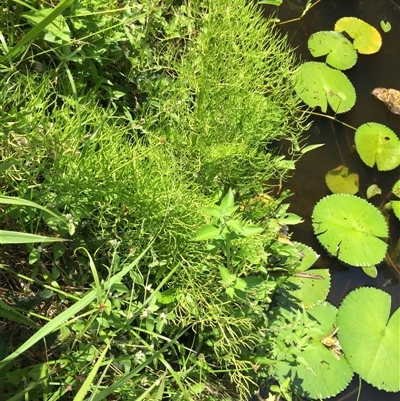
(319, 85)
(340, 180)
(378, 144)
(351, 229)
(339, 51)
(371, 341)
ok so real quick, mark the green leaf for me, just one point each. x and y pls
(386, 26)
(230, 291)
(367, 39)
(38, 28)
(214, 211)
(376, 143)
(249, 231)
(235, 226)
(14, 237)
(396, 189)
(320, 375)
(271, 2)
(317, 85)
(290, 219)
(226, 276)
(339, 181)
(340, 51)
(206, 233)
(373, 190)
(370, 340)
(309, 148)
(240, 284)
(228, 200)
(370, 271)
(351, 229)
(58, 27)
(197, 388)
(396, 208)
(6, 165)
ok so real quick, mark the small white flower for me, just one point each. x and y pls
(140, 356)
(148, 287)
(163, 315)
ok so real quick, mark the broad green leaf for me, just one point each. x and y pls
(339, 51)
(290, 219)
(320, 375)
(206, 232)
(351, 229)
(249, 231)
(386, 26)
(14, 237)
(58, 28)
(6, 165)
(235, 226)
(340, 181)
(228, 200)
(367, 39)
(369, 338)
(240, 284)
(376, 143)
(317, 85)
(214, 211)
(197, 388)
(373, 190)
(225, 274)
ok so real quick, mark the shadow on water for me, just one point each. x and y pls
(308, 183)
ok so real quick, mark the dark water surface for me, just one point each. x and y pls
(308, 183)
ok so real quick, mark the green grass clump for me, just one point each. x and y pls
(150, 113)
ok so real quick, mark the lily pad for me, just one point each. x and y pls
(396, 189)
(376, 143)
(338, 49)
(321, 374)
(369, 339)
(317, 85)
(367, 39)
(340, 181)
(373, 190)
(351, 229)
(396, 208)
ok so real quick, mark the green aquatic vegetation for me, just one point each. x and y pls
(395, 204)
(386, 26)
(341, 181)
(378, 144)
(351, 229)
(370, 338)
(339, 51)
(319, 85)
(306, 286)
(367, 39)
(316, 367)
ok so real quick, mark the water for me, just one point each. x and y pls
(308, 183)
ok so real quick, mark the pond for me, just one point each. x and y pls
(308, 183)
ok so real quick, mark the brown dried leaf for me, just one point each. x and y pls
(391, 97)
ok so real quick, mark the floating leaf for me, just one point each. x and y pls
(339, 50)
(367, 39)
(317, 85)
(386, 26)
(376, 143)
(370, 271)
(319, 374)
(396, 208)
(339, 181)
(308, 286)
(396, 189)
(351, 229)
(370, 340)
(373, 190)
(391, 97)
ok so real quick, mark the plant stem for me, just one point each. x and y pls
(331, 118)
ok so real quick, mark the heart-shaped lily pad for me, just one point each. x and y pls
(369, 339)
(396, 189)
(339, 51)
(317, 85)
(376, 143)
(351, 229)
(318, 372)
(340, 181)
(367, 39)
